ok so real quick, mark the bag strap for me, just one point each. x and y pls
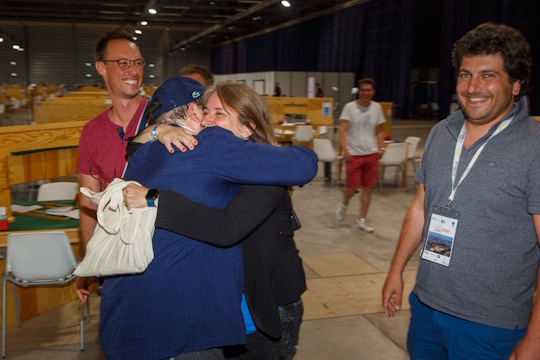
(113, 198)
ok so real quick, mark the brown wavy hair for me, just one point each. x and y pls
(251, 108)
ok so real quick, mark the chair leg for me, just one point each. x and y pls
(82, 326)
(88, 309)
(16, 299)
(3, 317)
(396, 176)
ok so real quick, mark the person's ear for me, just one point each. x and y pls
(516, 88)
(195, 112)
(100, 68)
(246, 131)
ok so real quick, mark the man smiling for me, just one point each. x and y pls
(102, 154)
(476, 215)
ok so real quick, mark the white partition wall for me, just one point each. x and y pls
(295, 84)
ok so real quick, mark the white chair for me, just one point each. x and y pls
(57, 191)
(303, 133)
(394, 155)
(325, 152)
(413, 145)
(39, 258)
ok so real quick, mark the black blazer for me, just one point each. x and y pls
(261, 217)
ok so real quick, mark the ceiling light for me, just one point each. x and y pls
(20, 49)
(134, 38)
(286, 3)
(88, 75)
(13, 74)
(1, 39)
(183, 48)
(151, 65)
(144, 23)
(138, 32)
(15, 46)
(152, 11)
(13, 63)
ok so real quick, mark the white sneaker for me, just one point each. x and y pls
(340, 212)
(361, 224)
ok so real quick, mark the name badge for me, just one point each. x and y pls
(440, 237)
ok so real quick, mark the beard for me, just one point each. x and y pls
(499, 107)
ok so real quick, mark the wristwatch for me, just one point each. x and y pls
(151, 197)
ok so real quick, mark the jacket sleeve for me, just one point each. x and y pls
(244, 162)
(218, 227)
(132, 146)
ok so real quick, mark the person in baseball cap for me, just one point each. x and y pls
(178, 101)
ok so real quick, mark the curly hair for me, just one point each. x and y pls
(492, 39)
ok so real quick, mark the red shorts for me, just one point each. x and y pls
(362, 171)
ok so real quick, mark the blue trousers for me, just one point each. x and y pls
(434, 335)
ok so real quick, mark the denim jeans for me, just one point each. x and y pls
(262, 347)
(435, 335)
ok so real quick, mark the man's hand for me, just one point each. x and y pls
(135, 196)
(526, 349)
(82, 288)
(392, 294)
(172, 135)
(347, 156)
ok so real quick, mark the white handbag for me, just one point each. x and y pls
(122, 239)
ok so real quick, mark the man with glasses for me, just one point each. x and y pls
(102, 154)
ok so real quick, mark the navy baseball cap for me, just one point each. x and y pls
(174, 92)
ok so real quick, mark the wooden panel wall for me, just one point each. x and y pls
(33, 137)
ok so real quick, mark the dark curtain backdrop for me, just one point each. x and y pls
(376, 39)
(372, 40)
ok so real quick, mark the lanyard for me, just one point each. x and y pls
(457, 154)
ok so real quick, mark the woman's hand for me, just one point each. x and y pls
(172, 135)
(135, 196)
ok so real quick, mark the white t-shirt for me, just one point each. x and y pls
(360, 134)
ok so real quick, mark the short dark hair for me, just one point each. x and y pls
(492, 39)
(205, 73)
(115, 34)
(369, 81)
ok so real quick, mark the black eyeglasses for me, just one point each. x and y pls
(125, 64)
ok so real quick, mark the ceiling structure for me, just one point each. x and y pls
(217, 22)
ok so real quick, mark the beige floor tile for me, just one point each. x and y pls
(346, 338)
(349, 295)
(395, 328)
(338, 264)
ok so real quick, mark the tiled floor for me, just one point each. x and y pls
(345, 268)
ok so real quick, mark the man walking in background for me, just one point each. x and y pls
(362, 138)
(476, 214)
